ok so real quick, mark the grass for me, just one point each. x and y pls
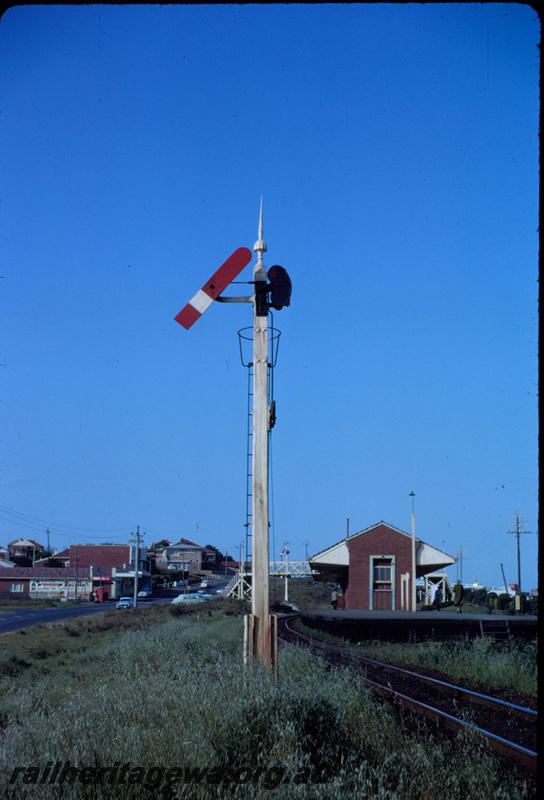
(13, 605)
(479, 662)
(304, 592)
(161, 690)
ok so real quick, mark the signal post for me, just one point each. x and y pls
(260, 642)
(260, 628)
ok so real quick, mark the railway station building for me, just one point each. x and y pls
(373, 567)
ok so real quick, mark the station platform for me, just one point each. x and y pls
(358, 624)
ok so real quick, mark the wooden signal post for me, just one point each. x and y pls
(260, 631)
(260, 643)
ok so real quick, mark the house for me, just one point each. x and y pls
(374, 567)
(41, 583)
(111, 566)
(25, 549)
(183, 556)
(209, 554)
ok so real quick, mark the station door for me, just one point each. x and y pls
(382, 586)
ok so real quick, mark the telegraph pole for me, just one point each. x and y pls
(136, 562)
(414, 596)
(517, 533)
(260, 559)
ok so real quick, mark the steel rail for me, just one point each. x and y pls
(450, 688)
(523, 755)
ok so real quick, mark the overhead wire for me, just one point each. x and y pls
(29, 519)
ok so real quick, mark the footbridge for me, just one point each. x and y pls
(240, 583)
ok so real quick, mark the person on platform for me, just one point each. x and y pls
(458, 595)
(334, 599)
(432, 594)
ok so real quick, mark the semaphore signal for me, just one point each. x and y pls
(272, 289)
(213, 287)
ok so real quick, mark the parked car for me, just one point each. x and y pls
(203, 595)
(187, 598)
(145, 593)
(125, 602)
(204, 585)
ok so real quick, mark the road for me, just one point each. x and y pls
(17, 618)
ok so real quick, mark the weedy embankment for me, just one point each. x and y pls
(173, 694)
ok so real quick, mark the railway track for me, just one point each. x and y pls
(509, 729)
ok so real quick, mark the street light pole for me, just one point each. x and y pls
(414, 595)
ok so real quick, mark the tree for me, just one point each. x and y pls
(219, 557)
(21, 561)
(161, 544)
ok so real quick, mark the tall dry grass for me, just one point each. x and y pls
(175, 695)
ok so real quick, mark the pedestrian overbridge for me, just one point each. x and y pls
(240, 583)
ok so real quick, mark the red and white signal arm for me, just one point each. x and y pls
(213, 287)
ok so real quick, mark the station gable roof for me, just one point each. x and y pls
(338, 554)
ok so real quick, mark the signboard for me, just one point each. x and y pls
(53, 589)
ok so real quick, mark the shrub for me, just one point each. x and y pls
(492, 599)
(479, 596)
(503, 601)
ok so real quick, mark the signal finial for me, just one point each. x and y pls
(260, 245)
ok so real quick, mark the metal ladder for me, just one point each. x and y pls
(249, 463)
(499, 629)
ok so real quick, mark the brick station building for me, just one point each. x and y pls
(374, 567)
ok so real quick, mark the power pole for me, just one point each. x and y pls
(136, 562)
(517, 533)
(260, 609)
(414, 596)
(460, 558)
(306, 543)
(347, 526)
(77, 569)
(48, 550)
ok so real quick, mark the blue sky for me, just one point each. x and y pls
(396, 147)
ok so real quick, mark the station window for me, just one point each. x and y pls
(382, 571)
(17, 587)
